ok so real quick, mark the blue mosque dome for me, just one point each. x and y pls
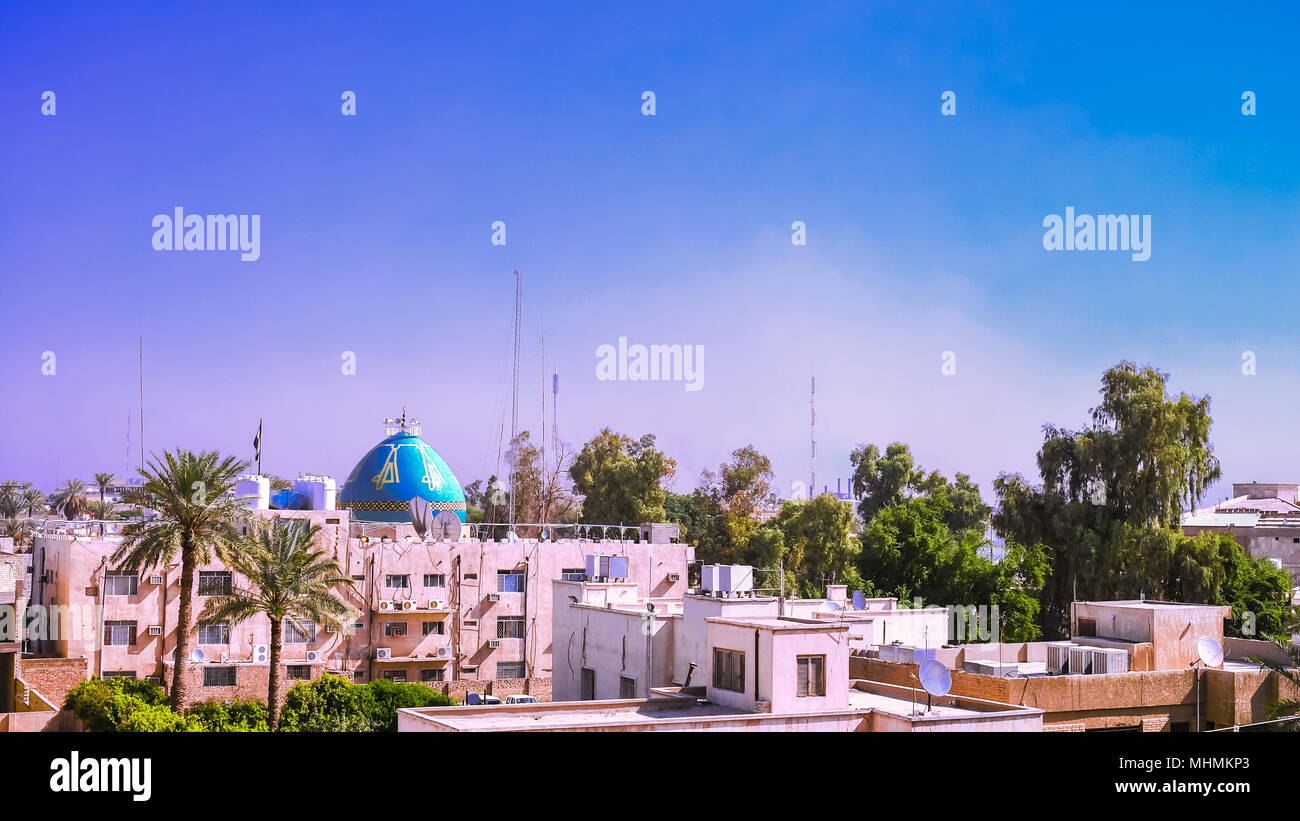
(399, 469)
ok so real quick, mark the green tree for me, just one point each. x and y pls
(880, 481)
(32, 500)
(621, 479)
(70, 500)
(11, 498)
(102, 483)
(817, 537)
(193, 496)
(1109, 489)
(286, 579)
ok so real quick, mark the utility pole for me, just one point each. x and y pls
(514, 402)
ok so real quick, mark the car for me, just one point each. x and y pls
(519, 698)
(491, 700)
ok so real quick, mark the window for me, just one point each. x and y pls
(435, 580)
(626, 687)
(510, 627)
(812, 675)
(119, 674)
(119, 632)
(510, 669)
(214, 582)
(398, 676)
(299, 672)
(470, 624)
(431, 675)
(573, 574)
(510, 581)
(1087, 627)
(358, 625)
(302, 633)
(218, 633)
(431, 628)
(359, 577)
(471, 577)
(218, 676)
(466, 672)
(358, 675)
(121, 584)
(331, 521)
(393, 629)
(729, 670)
(392, 580)
(588, 684)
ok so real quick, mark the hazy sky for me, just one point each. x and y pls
(924, 232)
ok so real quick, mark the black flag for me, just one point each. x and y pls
(257, 443)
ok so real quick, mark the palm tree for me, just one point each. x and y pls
(197, 511)
(19, 529)
(32, 499)
(1285, 707)
(10, 498)
(287, 579)
(70, 499)
(103, 481)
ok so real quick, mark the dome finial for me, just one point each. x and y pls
(402, 425)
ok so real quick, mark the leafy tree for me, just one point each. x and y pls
(621, 479)
(192, 494)
(909, 551)
(103, 705)
(819, 544)
(880, 481)
(287, 579)
(330, 704)
(247, 716)
(387, 697)
(1109, 489)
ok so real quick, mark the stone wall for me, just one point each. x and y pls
(52, 678)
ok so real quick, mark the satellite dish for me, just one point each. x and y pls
(935, 678)
(859, 600)
(197, 655)
(1209, 650)
(446, 526)
(472, 698)
(829, 606)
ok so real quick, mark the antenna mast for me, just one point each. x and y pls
(812, 438)
(514, 402)
(142, 404)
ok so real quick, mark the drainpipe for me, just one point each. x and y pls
(756, 666)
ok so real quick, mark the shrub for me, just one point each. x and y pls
(389, 696)
(331, 704)
(155, 718)
(229, 717)
(103, 705)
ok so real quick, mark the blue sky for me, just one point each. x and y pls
(924, 231)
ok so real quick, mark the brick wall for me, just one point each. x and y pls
(539, 687)
(52, 678)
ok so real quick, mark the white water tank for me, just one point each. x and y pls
(254, 492)
(321, 492)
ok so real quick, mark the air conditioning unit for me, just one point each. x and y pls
(156, 578)
(1106, 660)
(313, 657)
(408, 604)
(437, 604)
(674, 577)
(618, 567)
(261, 654)
(444, 652)
(1080, 660)
(494, 643)
(155, 629)
(383, 653)
(494, 597)
(1058, 656)
(386, 605)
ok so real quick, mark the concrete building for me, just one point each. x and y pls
(1263, 517)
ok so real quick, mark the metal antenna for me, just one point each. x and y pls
(514, 404)
(812, 438)
(142, 404)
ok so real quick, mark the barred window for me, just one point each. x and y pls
(218, 676)
(121, 584)
(299, 672)
(510, 627)
(812, 675)
(218, 633)
(729, 670)
(510, 581)
(573, 574)
(432, 628)
(431, 675)
(393, 580)
(302, 633)
(119, 633)
(394, 628)
(435, 580)
(510, 669)
(214, 582)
